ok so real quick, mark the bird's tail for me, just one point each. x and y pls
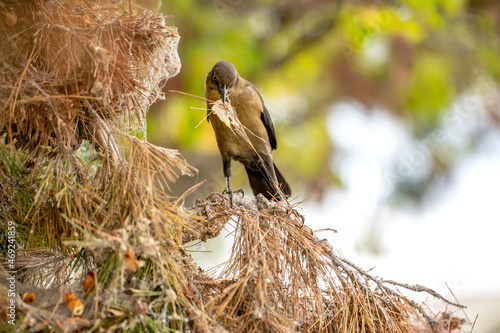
(260, 183)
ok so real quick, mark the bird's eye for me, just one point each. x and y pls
(215, 81)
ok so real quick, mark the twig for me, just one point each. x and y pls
(474, 323)
(419, 288)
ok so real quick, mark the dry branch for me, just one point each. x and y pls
(281, 277)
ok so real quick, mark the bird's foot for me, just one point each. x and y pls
(240, 191)
(230, 192)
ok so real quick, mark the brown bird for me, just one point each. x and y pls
(224, 82)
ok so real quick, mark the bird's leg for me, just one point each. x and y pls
(228, 188)
(226, 163)
(230, 192)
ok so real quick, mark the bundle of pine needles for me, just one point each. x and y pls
(282, 278)
(88, 195)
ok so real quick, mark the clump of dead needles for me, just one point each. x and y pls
(76, 80)
(282, 278)
(70, 68)
(99, 242)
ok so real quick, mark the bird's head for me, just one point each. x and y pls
(223, 77)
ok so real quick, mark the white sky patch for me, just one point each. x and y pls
(454, 239)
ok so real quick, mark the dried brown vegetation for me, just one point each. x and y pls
(282, 278)
(94, 221)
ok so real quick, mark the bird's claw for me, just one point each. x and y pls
(230, 192)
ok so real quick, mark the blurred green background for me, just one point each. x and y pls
(387, 116)
(411, 59)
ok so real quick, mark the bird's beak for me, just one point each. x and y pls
(222, 93)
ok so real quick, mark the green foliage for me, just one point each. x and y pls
(429, 91)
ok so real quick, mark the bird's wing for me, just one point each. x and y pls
(268, 123)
